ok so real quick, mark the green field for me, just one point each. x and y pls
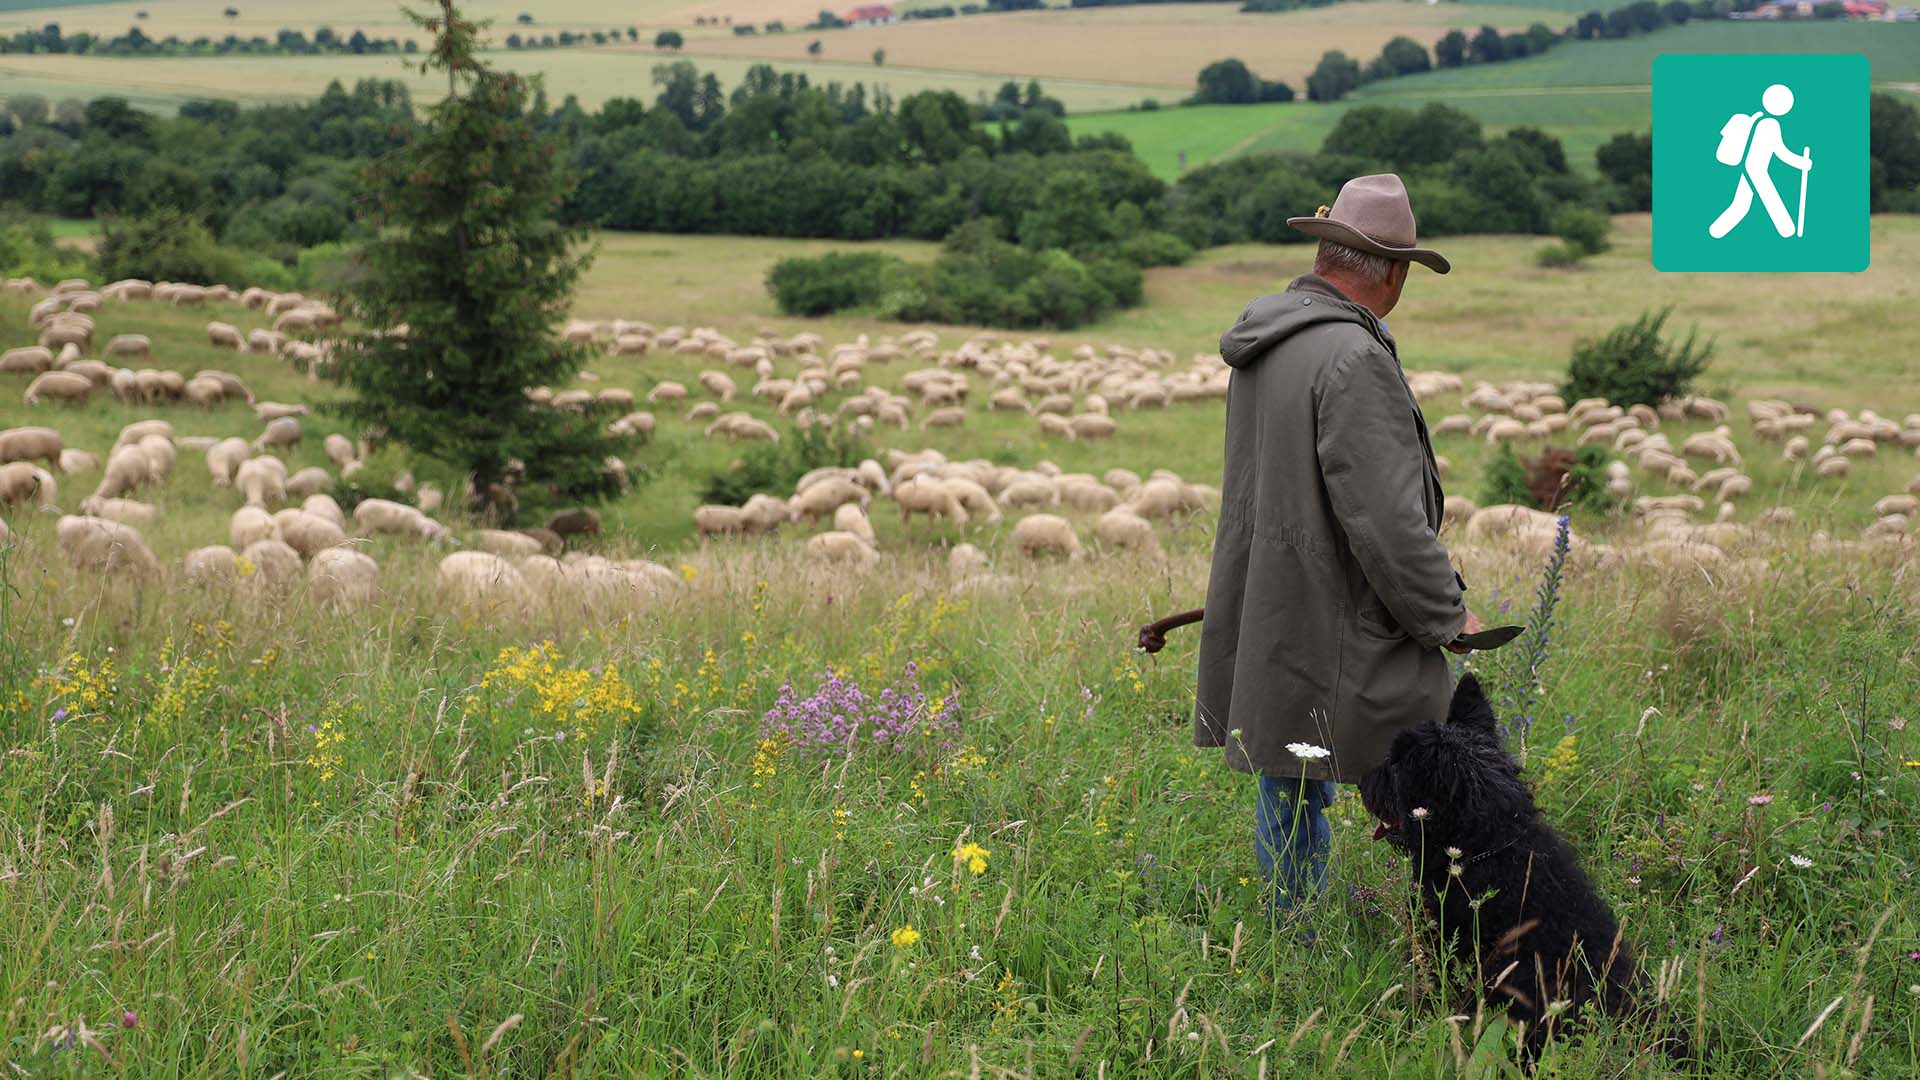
(242, 834)
(1583, 92)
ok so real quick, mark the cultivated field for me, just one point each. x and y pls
(243, 832)
(1583, 92)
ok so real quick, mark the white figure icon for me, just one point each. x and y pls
(1752, 141)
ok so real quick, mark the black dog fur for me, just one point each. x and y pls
(1541, 933)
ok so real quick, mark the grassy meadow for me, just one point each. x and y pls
(1582, 92)
(244, 835)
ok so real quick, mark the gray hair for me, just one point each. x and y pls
(1351, 262)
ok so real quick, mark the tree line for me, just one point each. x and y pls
(136, 42)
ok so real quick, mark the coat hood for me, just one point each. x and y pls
(1309, 301)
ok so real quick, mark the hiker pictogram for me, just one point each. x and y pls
(1752, 141)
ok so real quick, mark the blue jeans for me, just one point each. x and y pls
(1292, 837)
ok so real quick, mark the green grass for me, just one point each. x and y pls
(366, 842)
(1582, 92)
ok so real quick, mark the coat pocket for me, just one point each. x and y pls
(1375, 619)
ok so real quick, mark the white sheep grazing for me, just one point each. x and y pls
(250, 523)
(1734, 487)
(764, 513)
(225, 457)
(124, 511)
(384, 516)
(262, 481)
(1159, 497)
(31, 444)
(1046, 534)
(308, 481)
(308, 534)
(1906, 505)
(953, 416)
(1834, 468)
(716, 520)
(160, 457)
(58, 386)
(824, 498)
(27, 360)
(281, 432)
(719, 384)
(1030, 493)
(339, 450)
(340, 578)
(841, 547)
(225, 336)
(973, 499)
(77, 461)
(93, 543)
(269, 566)
(850, 518)
(323, 506)
(965, 559)
(511, 545)
(1122, 528)
(214, 563)
(667, 391)
(1085, 494)
(1456, 509)
(1091, 426)
(127, 471)
(480, 576)
(929, 495)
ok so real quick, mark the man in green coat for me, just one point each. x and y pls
(1331, 596)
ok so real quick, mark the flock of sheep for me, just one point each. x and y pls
(286, 526)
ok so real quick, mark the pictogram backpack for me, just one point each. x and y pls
(1733, 137)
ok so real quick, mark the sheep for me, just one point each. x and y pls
(385, 516)
(632, 424)
(1046, 534)
(124, 511)
(1456, 509)
(577, 521)
(31, 444)
(1907, 505)
(127, 470)
(58, 386)
(1091, 426)
(21, 482)
(1835, 467)
(269, 566)
(130, 345)
(250, 523)
(225, 336)
(308, 534)
(667, 391)
(281, 432)
(1054, 425)
(1159, 497)
(953, 416)
(1734, 487)
(140, 429)
(850, 518)
(160, 457)
(308, 481)
(824, 498)
(1086, 494)
(511, 545)
(1030, 493)
(719, 384)
(763, 513)
(262, 481)
(324, 506)
(77, 461)
(231, 385)
(93, 543)
(226, 456)
(1796, 449)
(716, 520)
(428, 498)
(965, 559)
(551, 543)
(928, 495)
(480, 576)
(28, 360)
(973, 499)
(215, 562)
(339, 450)
(841, 547)
(341, 578)
(1122, 528)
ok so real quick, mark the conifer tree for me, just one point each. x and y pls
(471, 261)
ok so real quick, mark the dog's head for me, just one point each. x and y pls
(1451, 781)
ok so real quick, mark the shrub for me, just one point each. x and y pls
(27, 249)
(1556, 480)
(1583, 229)
(1631, 365)
(172, 246)
(827, 283)
(1558, 257)
(1504, 480)
(776, 467)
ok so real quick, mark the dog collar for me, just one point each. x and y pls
(1491, 851)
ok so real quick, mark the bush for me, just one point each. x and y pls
(172, 246)
(1631, 365)
(776, 467)
(1557, 480)
(1503, 480)
(1584, 230)
(1558, 257)
(27, 249)
(827, 283)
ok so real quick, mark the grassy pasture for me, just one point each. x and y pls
(246, 836)
(1583, 92)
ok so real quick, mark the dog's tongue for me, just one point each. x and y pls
(1380, 831)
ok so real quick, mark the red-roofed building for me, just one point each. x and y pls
(870, 15)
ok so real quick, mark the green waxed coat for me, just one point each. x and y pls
(1330, 595)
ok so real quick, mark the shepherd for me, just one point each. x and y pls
(1331, 596)
(1752, 141)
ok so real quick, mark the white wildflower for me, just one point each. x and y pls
(1419, 813)
(1307, 751)
(833, 982)
(1800, 861)
(1453, 853)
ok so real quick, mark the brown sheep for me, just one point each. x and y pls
(22, 482)
(98, 544)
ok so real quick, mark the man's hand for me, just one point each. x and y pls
(1473, 627)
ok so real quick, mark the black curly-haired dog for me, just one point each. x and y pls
(1451, 796)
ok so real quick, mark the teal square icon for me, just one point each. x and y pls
(1760, 162)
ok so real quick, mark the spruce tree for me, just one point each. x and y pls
(471, 261)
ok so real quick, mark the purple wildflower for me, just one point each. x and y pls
(839, 712)
(60, 714)
(130, 1019)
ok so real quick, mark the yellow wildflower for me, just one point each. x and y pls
(973, 855)
(905, 937)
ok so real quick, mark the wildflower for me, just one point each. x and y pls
(1235, 733)
(1420, 813)
(130, 1019)
(905, 937)
(1453, 853)
(1913, 764)
(973, 954)
(858, 1054)
(68, 621)
(833, 982)
(973, 855)
(60, 714)
(1759, 800)
(1454, 869)
(1245, 881)
(1308, 751)
(1193, 1036)
(1800, 861)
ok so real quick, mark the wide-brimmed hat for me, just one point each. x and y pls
(1372, 215)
